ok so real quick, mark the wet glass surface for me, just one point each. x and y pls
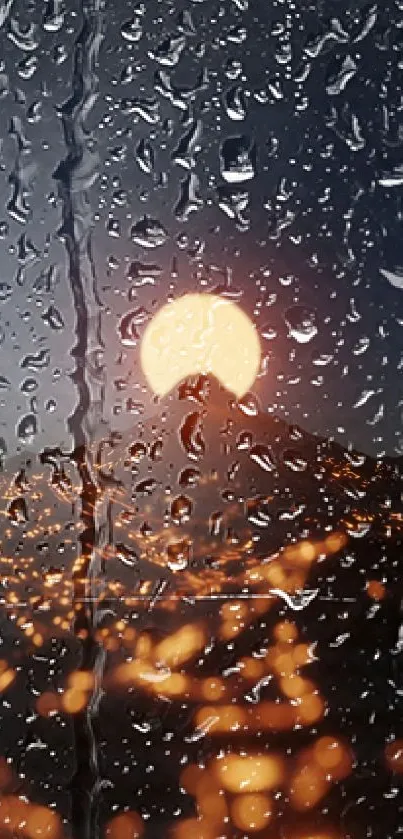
(200, 582)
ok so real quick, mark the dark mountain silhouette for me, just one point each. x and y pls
(214, 472)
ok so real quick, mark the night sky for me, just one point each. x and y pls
(264, 146)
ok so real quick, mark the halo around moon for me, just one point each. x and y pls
(200, 334)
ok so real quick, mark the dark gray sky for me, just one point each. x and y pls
(264, 143)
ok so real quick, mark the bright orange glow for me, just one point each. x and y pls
(81, 680)
(211, 803)
(73, 701)
(127, 825)
(307, 787)
(213, 689)
(173, 685)
(251, 668)
(42, 822)
(249, 773)
(19, 817)
(224, 718)
(194, 828)
(181, 646)
(376, 590)
(283, 664)
(311, 708)
(251, 812)
(328, 753)
(286, 632)
(200, 333)
(294, 686)
(6, 679)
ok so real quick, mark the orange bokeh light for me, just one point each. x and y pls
(128, 825)
(249, 773)
(251, 812)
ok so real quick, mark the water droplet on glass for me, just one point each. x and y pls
(238, 159)
(301, 323)
(191, 436)
(148, 233)
(27, 428)
(17, 511)
(178, 555)
(181, 509)
(263, 457)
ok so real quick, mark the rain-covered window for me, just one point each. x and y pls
(201, 445)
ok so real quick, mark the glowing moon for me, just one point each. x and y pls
(200, 333)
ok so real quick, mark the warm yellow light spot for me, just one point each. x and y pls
(310, 709)
(251, 668)
(74, 701)
(302, 553)
(335, 542)
(81, 680)
(251, 812)
(200, 333)
(215, 719)
(181, 646)
(42, 822)
(174, 685)
(6, 679)
(213, 689)
(249, 773)
(284, 665)
(19, 817)
(286, 632)
(211, 802)
(294, 686)
(143, 646)
(307, 787)
(328, 753)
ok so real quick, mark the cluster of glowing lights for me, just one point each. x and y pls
(21, 818)
(241, 788)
